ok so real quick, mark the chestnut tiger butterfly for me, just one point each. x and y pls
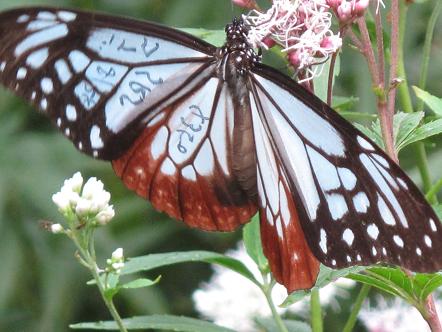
(211, 136)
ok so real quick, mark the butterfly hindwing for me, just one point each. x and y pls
(94, 74)
(182, 162)
(356, 206)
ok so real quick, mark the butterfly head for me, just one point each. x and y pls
(238, 47)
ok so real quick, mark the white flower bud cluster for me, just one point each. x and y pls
(116, 262)
(89, 200)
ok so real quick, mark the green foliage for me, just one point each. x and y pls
(159, 322)
(434, 103)
(252, 241)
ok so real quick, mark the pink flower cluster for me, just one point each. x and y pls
(302, 28)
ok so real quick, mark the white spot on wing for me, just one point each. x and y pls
(23, 18)
(204, 161)
(398, 240)
(79, 60)
(374, 251)
(44, 104)
(348, 236)
(37, 58)
(45, 15)
(418, 251)
(218, 133)
(156, 119)
(188, 173)
(373, 231)
(159, 143)
(279, 228)
(96, 141)
(21, 73)
(39, 24)
(325, 172)
(336, 205)
(63, 72)
(361, 202)
(71, 112)
(284, 205)
(66, 16)
(41, 37)
(323, 241)
(348, 178)
(432, 225)
(381, 160)
(385, 212)
(428, 241)
(3, 66)
(47, 86)
(106, 75)
(365, 144)
(167, 167)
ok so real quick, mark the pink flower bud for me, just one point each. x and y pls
(334, 3)
(249, 4)
(294, 58)
(269, 42)
(345, 11)
(331, 43)
(360, 6)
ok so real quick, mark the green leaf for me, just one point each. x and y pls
(426, 130)
(326, 275)
(292, 325)
(374, 134)
(438, 209)
(160, 322)
(404, 124)
(414, 289)
(152, 261)
(215, 37)
(434, 103)
(342, 104)
(252, 241)
(427, 283)
(140, 283)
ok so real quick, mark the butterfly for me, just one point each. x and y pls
(210, 136)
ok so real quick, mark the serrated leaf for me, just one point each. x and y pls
(215, 37)
(426, 130)
(342, 104)
(373, 134)
(434, 103)
(160, 322)
(152, 261)
(292, 325)
(326, 275)
(403, 126)
(427, 283)
(252, 241)
(140, 283)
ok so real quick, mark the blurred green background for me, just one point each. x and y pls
(42, 288)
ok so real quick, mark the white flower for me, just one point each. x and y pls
(56, 228)
(116, 262)
(394, 316)
(233, 301)
(92, 200)
(105, 215)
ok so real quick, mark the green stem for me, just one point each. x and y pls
(267, 290)
(93, 268)
(316, 312)
(363, 293)
(431, 194)
(407, 106)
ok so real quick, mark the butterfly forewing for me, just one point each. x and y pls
(356, 206)
(94, 74)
